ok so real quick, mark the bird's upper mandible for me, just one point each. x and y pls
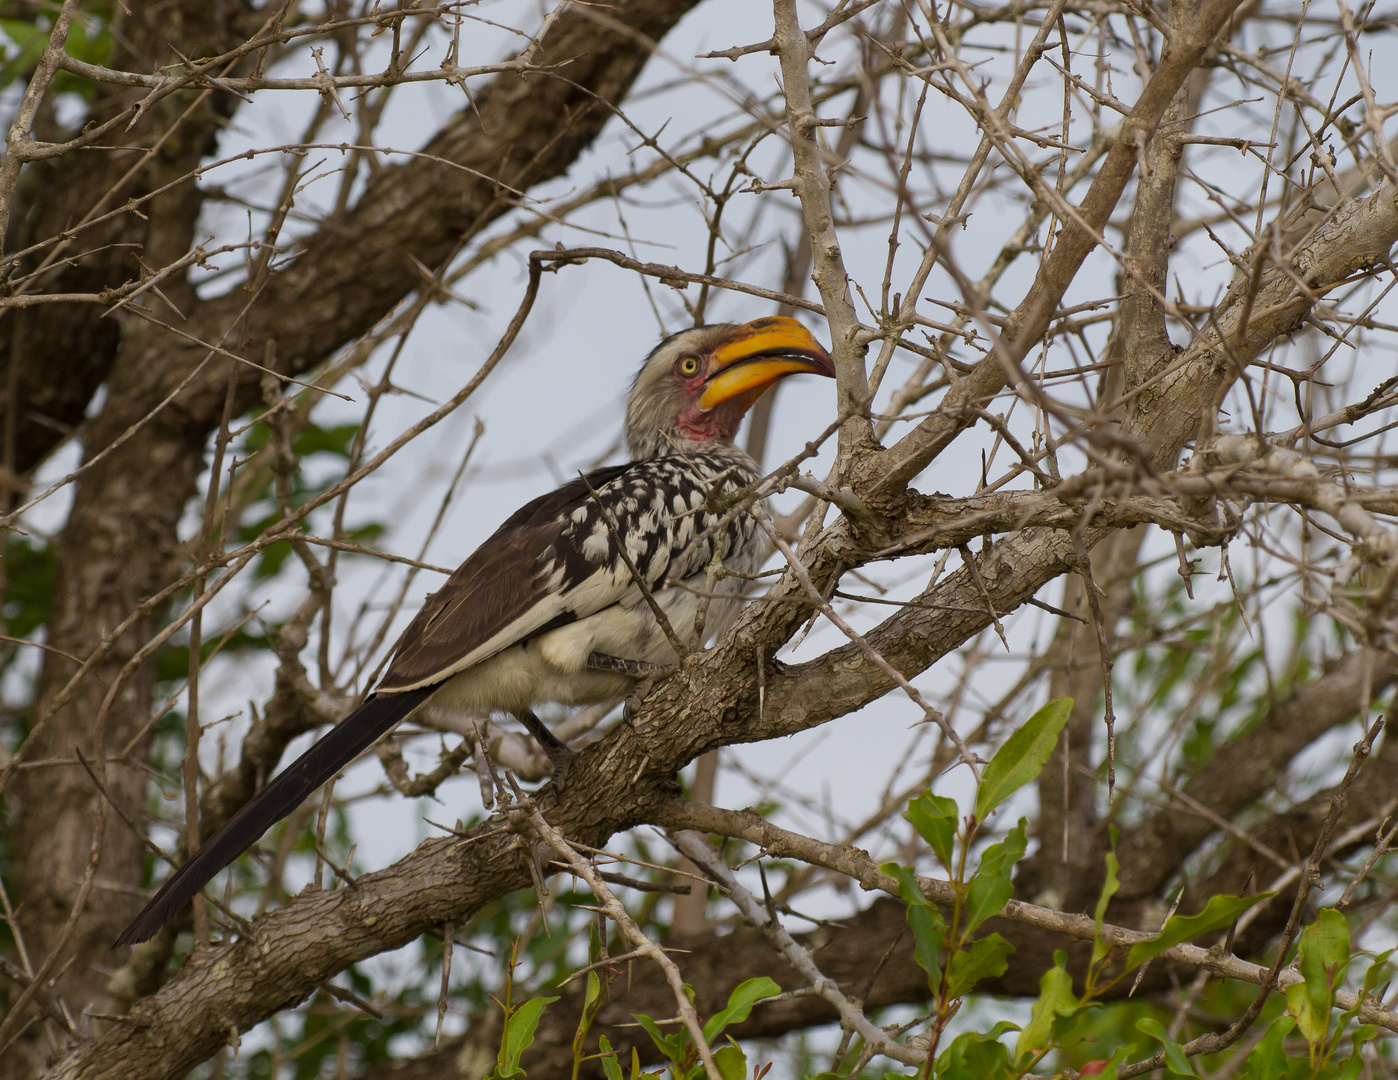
(695, 386)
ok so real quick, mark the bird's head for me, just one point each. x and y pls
(695, 386)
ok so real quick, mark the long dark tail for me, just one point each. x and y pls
(286, 791)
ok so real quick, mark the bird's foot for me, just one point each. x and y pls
(637, 669)
(555, 749)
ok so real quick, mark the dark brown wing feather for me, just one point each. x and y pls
(499, 584)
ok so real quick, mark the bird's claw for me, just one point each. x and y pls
(555, 749)
(637, 669)
(562, 762)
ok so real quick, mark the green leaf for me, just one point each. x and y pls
(1354, 1066)
(1363, 1034)
(670, 1046)
(1056, 999)
(740, 1003)
(928, 927)
(934, 817)
(1324, 955)
(1109, 887)
(1217, 913)
(985, 959)
(1378, 971)
(1268, 1058)
(519, 1034)
(592, 1001)
(929, 932)
(908, 888)
(610, 1065)
(1350, 1070)
(337, 440)
(732, 1063)
(1324, 946)
(1022, 757)
(1300, 1006)
(1175, 1060)
(976, 1056)
(989, 891)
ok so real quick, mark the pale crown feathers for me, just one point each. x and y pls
(661, 399)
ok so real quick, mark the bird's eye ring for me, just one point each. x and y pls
(689, 365)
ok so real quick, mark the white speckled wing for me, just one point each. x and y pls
(555, 561)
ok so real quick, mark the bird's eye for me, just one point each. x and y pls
(689, 365)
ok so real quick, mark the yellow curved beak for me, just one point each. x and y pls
(759, 354)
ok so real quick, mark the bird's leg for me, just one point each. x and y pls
(554, 748)
(637, 669)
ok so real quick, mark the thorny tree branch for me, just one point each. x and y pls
(851, 1017)
(643, 945)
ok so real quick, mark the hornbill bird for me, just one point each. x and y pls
(547, 610)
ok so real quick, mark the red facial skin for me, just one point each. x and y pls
(710, 425)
